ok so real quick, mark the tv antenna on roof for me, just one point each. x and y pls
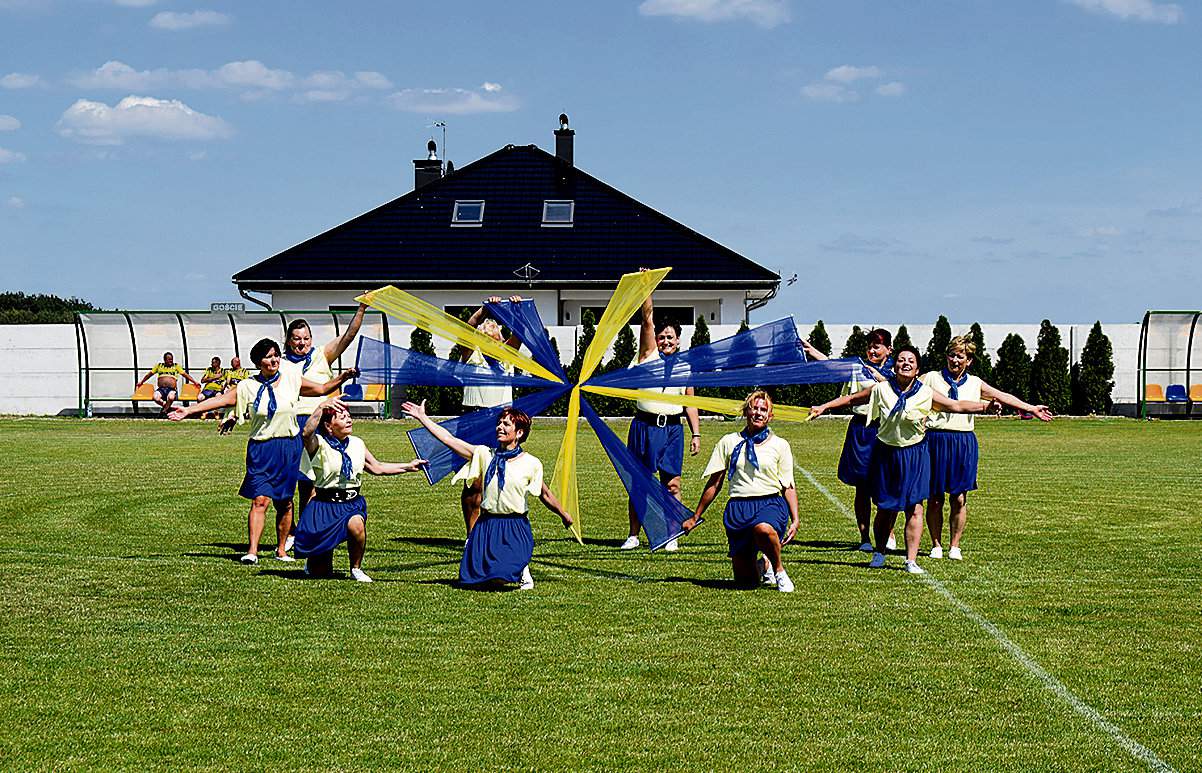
(441, 125)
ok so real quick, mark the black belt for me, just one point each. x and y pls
(337, 495)
(657, 419)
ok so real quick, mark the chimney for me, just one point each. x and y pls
(427, 170)
(563, 140)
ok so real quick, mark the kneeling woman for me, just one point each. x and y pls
(274, 449)
(500, 545)
(337, 512)
(762, 512)
(899, 470)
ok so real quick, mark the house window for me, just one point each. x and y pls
(468, 213)
(681, 315)
(558, 213)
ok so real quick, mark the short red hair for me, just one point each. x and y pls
(521, 421)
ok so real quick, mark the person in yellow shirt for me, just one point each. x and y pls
(233, 374)
(899, 471)
(212, 382)
(501, 543)
(337, 512)
(953, 443)
(274, 449)
(167, 386)
(761, 514)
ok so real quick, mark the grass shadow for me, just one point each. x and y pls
(447, 543)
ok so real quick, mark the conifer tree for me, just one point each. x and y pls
(857, 343)
(701, 337)
(1049, 371)
(737, 392)
(982, 363)
(1013, 371)
(1093, 375)
(423, 343)
(816, 394)
(936, 354)
(901, 339)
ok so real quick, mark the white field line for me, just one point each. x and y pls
(1134, 748)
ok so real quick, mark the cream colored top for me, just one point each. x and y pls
(327, 464)
(523, 477)
(858, 383)
(773, 476)
(319, 371)
(283, 423)
(654, 406)
(906, 428)
(956, 422)
(487, 396)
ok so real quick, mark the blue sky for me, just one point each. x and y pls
(993, 161)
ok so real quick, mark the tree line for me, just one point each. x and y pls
(40, 309)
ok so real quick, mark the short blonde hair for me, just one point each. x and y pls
(489, 327)
(962, 342)
(758, 394)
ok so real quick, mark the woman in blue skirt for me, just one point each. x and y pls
(861, 433)
(953, 443)
(761, 515)
(500, 545)
(274, 449)
(899, 470)
(337, 511)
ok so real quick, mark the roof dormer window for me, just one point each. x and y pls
(468, 213)
(558, 214)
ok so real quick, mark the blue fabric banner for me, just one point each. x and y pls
(523, 319)
(670, 373)
(381, 363)
(478, 428)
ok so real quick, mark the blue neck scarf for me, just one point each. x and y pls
(900, 405)
(497, 466)
(305, 358)
(265, 386)
(749, 442)
(348, 470)
(953, 385)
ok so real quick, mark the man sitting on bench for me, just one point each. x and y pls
(167, 386)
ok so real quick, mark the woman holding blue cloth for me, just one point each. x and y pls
(761, 514)
(953, 443)
(337, 512)
(274, 449)
(899, 470)
(501, 543)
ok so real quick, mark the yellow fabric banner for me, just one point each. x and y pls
(632, 290)
(714, 404)
(409, 308)
(563, 482)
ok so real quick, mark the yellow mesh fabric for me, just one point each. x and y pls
(632, 290)
(563, 482)
(409, 308)
(713, 404)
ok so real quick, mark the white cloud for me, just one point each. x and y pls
(253, 74)
(765, 13)
(1138, 10)
(372, 80)
(95, 123)
(829, 92)
(135, 3)
(20, 80)
(891, 89)
(452, 101)
(9, 124)
(849, 73)
(15, 202)
(335, 86)
(10, 156)
(172, 20)
(490, 87)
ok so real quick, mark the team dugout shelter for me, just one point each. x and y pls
(1170, 364)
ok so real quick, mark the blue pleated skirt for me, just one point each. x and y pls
(953, 461)
(900, 477)
(743, 513)
(271, 467)
(324, 526)
(857, 451)
(498, 548)
(660, 449)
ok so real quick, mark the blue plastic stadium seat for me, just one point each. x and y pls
(1175, 393)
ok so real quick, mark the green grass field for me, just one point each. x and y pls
(1069, 638)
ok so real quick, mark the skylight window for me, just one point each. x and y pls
(558, 213)
(468, 213)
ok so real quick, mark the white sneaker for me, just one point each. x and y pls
(954, 554)
(913, 568)
(288, 543)
(937, 551)
(865, 547)
(287, 559)
(783, 583)
(527, 580)
(359, 575)
(630, 544)
(892, 543)
(672, 547)
(250, 559)
(767, 576)
(877, 562)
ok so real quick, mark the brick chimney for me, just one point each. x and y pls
(427, 170)
(564, 139)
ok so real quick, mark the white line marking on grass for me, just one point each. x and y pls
(1134, 748)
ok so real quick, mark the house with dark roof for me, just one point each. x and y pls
(518, 221)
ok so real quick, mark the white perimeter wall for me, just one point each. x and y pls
(39, 368)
